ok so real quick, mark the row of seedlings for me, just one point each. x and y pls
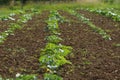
(105, 12)
(10, 31)
(7, 17)
(11, 15)
(54, 53)
(87, 21)
(14, 26)
(22, 77)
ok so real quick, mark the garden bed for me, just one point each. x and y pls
(93, 58)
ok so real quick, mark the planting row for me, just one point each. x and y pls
(10, 31)
(87, 21)
(13, 26)
(11, 15)
(92, 55)
(54, 53)
(8, 17)
(111, 27)
(6, 20)
(106, 12)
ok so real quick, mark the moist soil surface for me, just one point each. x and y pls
(107, 24)
(6, 23)
(93, 58)
(21, 51)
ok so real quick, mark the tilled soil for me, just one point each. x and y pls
(110, 26)
(6, 23)
(21, 51)
(94, 58)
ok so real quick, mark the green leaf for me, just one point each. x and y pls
(53, 39)
(48, 76)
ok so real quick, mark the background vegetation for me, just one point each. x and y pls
(11, 6)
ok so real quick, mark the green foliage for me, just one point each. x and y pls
(26, 77)
(52, 22)
(117, 45)
(86, 20)
(100, 31)
(81, 17)
(13, 27)
(53, 55)
(108, 1)
(106, 12)
(25, 18)
(57, 15)
(52, 77)
(35, 10)
(4, 18)
(52, 25)
(7, 17)
(53, 39)
(22, 77)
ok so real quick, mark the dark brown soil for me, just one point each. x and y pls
(6, 24)
(20, 52)
(94, 58)
(110, 26)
